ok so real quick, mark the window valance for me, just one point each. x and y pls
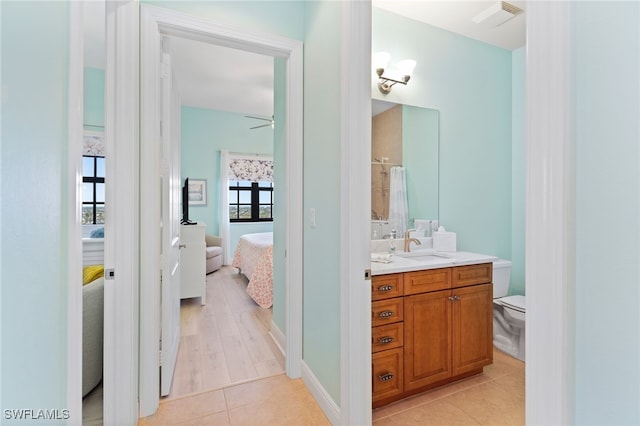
(251, 169)
(93, 143)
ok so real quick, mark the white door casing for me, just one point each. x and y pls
(170, 224)
(120, 378)
(156, 23)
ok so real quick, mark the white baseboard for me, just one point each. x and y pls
(324, 400)
(278, 337)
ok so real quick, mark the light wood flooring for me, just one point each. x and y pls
(226, 341)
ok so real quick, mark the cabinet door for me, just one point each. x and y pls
(387, 374)
(427, 338)
(472, 328)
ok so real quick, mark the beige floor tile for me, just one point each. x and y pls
(271, 389)
(298, 408)
(188, 409)
(437, 413)
(490, 404)
(217, 419)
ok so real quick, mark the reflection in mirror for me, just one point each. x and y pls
(404, 136)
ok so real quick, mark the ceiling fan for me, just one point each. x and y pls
(269, 121)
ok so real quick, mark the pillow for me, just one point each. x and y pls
(97, 233)
(91, 273)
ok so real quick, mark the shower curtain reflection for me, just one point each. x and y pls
(398, 206)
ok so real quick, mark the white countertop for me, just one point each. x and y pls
(419, 260)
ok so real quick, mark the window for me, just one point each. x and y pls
(92, 189)
(250, 201)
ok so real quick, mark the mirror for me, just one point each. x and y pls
(408, 136)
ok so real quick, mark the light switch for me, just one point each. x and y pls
(312, 214)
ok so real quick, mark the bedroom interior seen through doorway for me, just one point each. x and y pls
(156, 24)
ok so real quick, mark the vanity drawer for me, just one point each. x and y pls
(387, 286)
(428, 280)
(387, 337)
(387, 370)
(387, 311)
(472, 275)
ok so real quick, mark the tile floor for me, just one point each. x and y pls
(275, 400)
(495, 397)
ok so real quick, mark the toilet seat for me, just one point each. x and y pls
(516, 302)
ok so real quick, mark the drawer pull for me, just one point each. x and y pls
(386, 314)
(385, 340)
(385, 288)
(386, 377)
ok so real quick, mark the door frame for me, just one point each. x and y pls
(157, 22)
(74, 258)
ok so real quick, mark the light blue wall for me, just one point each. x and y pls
(204, 133)
(606, 75)
(469, 82)
(518, 171)
(321, 321)
(34, 182)
(93, 99)
(276, 17)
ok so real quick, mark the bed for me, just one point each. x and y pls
(254, 258)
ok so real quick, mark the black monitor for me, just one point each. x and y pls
(185, 204)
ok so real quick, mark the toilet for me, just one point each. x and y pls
(509, 313)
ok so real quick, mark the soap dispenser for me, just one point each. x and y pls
(392, 241)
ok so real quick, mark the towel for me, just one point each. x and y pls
(381, 257)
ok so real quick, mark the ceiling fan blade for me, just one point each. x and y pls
(259, 118)
(257, 127)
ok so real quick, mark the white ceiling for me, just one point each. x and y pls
(456, 16)
(226, 79)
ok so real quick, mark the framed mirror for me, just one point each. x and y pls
(404, 136)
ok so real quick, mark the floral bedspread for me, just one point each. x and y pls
(254, 258)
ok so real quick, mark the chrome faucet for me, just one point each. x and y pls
(408, 240)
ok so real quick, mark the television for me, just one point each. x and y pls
(185, 204)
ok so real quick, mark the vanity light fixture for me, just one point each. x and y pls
(399, 73)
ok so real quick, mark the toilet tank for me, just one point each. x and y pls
(501, 277)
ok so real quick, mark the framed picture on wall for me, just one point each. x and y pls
(197, 192)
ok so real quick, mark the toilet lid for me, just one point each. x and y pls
(516, 302)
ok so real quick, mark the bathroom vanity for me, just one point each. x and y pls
(432, 321)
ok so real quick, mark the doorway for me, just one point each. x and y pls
(225, 338)
(155, 24)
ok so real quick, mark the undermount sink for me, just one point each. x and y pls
(422, 253)
(425, 256)
(431, 258)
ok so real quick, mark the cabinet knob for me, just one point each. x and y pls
(385, 288)
(385, 340)
(386, 377)
(386, 314)
(181, 246)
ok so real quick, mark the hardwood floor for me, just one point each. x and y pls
(226, 341)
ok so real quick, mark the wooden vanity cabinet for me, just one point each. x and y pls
(387, 333)
(447, 319)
